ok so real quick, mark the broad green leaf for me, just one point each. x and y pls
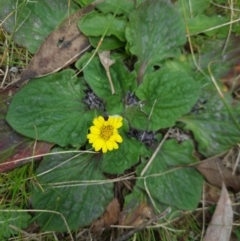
(121, 6)
(72, 185)
(212, 125)
(95, 24)
(13, 217)
(108, 43)
(30, 22)
(51, 109)
(193, 8)
(169, 184)
(12, 145)
(167, 95)
(114, 105)
(136, 117)
(123, 81)
(117, 161)
(84, 3)
(201, 23)
(152, 34)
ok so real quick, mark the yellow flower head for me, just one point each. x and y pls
(104, 134)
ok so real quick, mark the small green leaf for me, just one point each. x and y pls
(51, 109)
(108, 43)
(32, 21)
(95, 24)
(14, 218)
(192, 9)
(117, 161)
(114, 105)
(179, 187)
(213, 126)
(202, 22)
(167, 95)
(136, 117)
(110, 6)
(72, 185)
(151, 34)
(123, 81)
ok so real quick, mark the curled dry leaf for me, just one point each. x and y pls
(61, 47)
(107, 62)
(220, 226)
(137, 216)
(215, 172)
(110, 217)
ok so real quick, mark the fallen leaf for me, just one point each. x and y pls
(211, 194)
(110, 217)
(137, 216)
(106, 63)
(232, 158)
(220, 226)
(15, 149)
(62, 47)
(215, 172)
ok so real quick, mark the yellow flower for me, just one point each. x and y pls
(104, 134)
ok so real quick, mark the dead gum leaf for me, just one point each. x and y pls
(215, 172)
(61, 48)
(220, 226)
(110, 217)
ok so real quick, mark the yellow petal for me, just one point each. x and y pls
(109, 145)
(94, 130)
(101, 119)
(104, 148)
(118, 138)
(92, 138)
(115, 145)
(98, 144)
(97, 123)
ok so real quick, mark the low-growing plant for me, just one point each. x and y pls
(110, 116)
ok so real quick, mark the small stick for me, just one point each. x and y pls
(154, 154)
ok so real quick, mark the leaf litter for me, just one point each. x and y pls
(220, 226)
(61, 48)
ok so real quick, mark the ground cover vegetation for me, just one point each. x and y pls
(119, 120)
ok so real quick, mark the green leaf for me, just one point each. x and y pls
(192, 9)
(108, 43)
(32, 21)
(110, 6)
(123, 81)
(212, 125)
(117, 161)
(95, 24)
(178, 187)
(151, 34)
(15, 217)
(51, 109)
(136, 117)
(201, 23)
(167, 95)
(72, 185)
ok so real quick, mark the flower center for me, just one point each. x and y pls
(106, 132)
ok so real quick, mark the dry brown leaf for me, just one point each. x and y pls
(215, 172)
(220, 226)
(137, 216)
(61, 48)
(110, 217)
(211, 194)
(231, 160)
(106, 63)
